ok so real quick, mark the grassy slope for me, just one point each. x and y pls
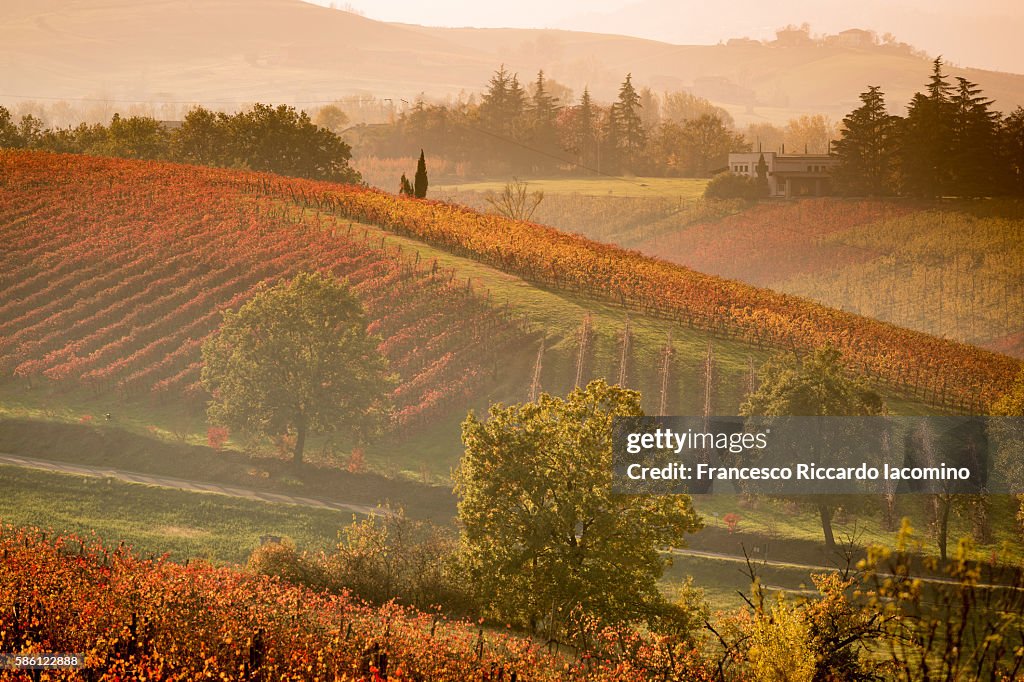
(684, 188)
(156, 520)
(225, 529)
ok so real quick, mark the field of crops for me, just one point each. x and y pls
(139, 619)
(118, 291)
(932, 369)
(113, 272)
(948, 269)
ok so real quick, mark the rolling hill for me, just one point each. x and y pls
(227, 52)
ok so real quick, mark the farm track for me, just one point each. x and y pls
(185, 485)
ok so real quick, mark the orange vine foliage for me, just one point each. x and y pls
(933, 369)
(113, 272)
(138, 619)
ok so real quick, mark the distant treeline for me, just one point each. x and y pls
(514, 129)
(950, 143)
(265, 138)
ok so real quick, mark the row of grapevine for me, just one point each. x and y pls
(114, 285)
(131, 618)
(929, 368)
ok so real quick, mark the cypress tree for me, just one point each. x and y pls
(420, 186)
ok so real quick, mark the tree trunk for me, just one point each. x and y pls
(825, 511)
(889, 511)
(982, 519)
(300, 442)
(942, 507)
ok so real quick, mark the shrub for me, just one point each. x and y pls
(282, 560)
(728, 185)
(217, 436)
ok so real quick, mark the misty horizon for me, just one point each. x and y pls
(935, 27)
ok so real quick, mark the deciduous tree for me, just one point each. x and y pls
(812, 386)
(296, 360)
(543, 535)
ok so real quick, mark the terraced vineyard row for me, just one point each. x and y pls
(113, 273)
(936, 370)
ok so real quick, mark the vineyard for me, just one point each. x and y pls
(927, 368)
(951, 270)
(116, 293)
(134, 618)
(114, 272)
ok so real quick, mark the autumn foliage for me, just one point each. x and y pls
(154, 619)
(113, 272)
(929, 368)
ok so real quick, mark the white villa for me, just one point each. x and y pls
(789, 175)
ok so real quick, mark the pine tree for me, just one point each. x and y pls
(628, 124)
(925, 154)
(1012, 144)
(420, 181)
(867, 147)
(762, 176)
(494, 103)
(544, 124)
(583, 134)
(977, 166)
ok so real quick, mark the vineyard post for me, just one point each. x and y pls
(666, 361)
(581, 356)
(624, 352)
(537, 366)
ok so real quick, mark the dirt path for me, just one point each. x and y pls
(183, 484)
(279, 498)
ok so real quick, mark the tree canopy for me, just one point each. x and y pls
(296, 360)
(543, 535)
(812, 386)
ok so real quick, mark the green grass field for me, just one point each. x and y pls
(685, 188)
(158, 520)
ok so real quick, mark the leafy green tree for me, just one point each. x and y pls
(405, 188)
(867, 147)
(202, 139)
(420, 181)
(543, 535)
(136, 137)
(707, 144)
(296, 360)
(332, 117)
(812, 386)
(9, 134)
(282, 140)
(729, 185)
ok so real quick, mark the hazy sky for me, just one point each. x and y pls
(983, 34)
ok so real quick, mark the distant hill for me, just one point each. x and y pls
(226, 51)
